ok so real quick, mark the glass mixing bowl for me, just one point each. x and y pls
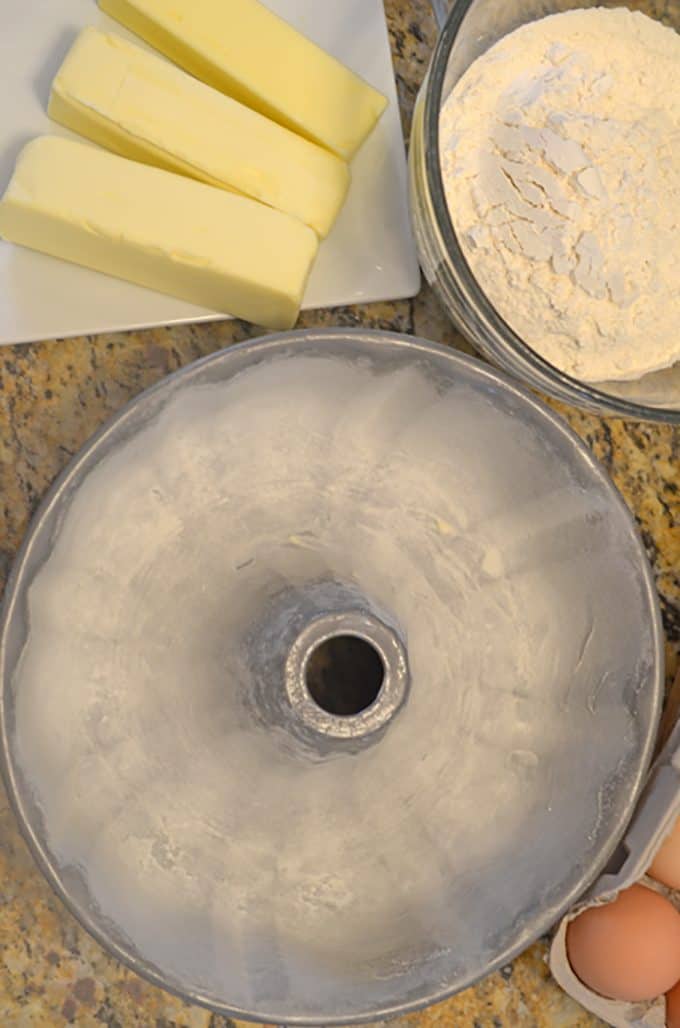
(468, 29)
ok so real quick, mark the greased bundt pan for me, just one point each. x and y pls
(331, 669)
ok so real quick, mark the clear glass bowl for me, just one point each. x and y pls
(469, 29)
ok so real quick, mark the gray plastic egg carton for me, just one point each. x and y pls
(655, 816)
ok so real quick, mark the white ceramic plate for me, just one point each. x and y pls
(369, 256)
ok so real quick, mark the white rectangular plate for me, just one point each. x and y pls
(369, 256)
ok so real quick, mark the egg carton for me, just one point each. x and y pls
(654, 819)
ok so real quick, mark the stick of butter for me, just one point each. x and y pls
(170, 233)
(244, 50)
(139, 105)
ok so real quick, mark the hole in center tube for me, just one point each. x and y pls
(344, 675)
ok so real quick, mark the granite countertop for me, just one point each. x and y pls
(53, 395)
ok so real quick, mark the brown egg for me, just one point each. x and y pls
(628, 949)
(673, 1007)
(666, 865)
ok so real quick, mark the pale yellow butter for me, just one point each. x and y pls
(241, 48)
(170, 233)
(139, 105)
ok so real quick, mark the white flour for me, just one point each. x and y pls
(560, 151)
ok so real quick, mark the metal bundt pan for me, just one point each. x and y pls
(331, 669)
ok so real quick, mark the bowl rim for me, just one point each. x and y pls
(566, 388)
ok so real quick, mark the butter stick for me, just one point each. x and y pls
(141, 106)
(241, 48)
(169, 233)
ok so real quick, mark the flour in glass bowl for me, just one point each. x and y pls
(560, 153)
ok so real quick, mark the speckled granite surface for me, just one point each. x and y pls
(52, 397)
